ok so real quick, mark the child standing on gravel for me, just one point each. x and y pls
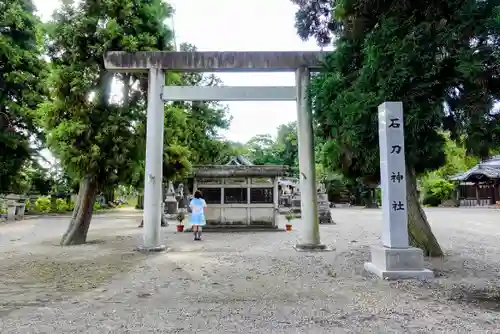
(197, 220)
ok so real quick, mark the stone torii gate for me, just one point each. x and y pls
(156, 63)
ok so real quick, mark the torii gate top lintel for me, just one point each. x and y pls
(239, 61)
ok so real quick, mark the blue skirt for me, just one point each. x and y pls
(197, 219)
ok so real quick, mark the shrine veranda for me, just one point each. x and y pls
(392, 259)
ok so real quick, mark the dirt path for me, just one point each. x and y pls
(35, 271)
(256, 283)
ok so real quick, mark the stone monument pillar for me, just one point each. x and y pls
(394, 259)
(170, 201)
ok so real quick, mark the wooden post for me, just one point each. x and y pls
(478, 199)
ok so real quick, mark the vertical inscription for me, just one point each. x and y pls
(393, 175)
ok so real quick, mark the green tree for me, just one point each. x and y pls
(435, 185)
(176, 155)
(235, 148)
(21, 68)
(264, 150)
(191, 132)
(32, 178)
(439, 58)
(98, 139)
(288, 148)
(457, 159)
(205, 119)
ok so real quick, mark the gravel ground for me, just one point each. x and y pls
(253, 283)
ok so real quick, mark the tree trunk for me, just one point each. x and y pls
(140, 202)
(419, 230)
(109, 195)
(53, 203)
(82, 214)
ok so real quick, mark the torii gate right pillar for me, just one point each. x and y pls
(310, 239)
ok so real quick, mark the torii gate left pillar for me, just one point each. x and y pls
(154, 163)
(155, 63)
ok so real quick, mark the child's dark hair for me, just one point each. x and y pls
(197, 194)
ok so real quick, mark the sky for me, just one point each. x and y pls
(238, 25)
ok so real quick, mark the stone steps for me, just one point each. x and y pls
(238, 228)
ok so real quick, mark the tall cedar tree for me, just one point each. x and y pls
(441, 59)
(21, 68)
(98, 139)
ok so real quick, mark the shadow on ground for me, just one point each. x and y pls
(48, 272)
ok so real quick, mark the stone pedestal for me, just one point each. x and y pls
(325, 216)
(164, 222)
(21, 209)
(285, 201)
(295, 205)
(16, 207)
(393, 263)
(156, 249)
(181, 202)
(312, 248)
(171, 206)
(11, 210)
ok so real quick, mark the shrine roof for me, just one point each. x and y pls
(240, 160)
(225, 171)
(484, 171)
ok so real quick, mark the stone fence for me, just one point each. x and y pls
(12, 207)
(15, 207)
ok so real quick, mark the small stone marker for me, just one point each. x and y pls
(180, 196)
(171, 203)
(394, 259)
